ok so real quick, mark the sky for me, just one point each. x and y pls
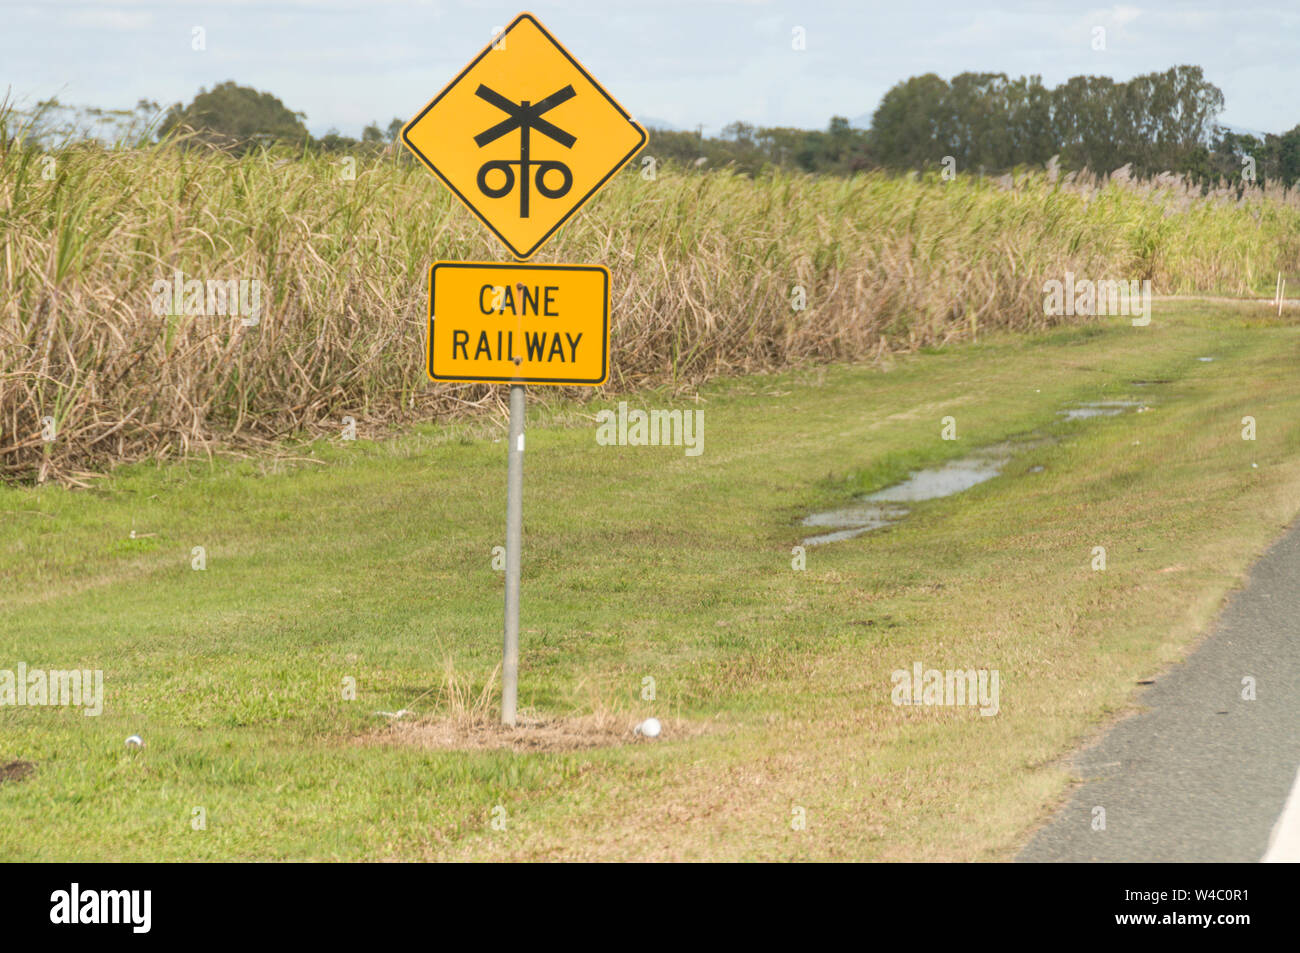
(684, 63)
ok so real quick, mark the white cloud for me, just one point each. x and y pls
(122, 21)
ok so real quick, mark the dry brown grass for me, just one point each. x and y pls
(703, 265)
(531, 733)
(462, 715)
(16, 771)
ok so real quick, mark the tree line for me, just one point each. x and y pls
(987, 122)
(230, 117)
(983, 123)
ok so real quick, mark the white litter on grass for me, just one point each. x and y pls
(135, 741)
(1205, 359)
(392, 714)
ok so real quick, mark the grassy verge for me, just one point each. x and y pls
(373, 562)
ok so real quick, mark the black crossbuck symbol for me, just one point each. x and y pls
(525, 117)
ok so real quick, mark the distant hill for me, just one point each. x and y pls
(663, 125)
(1243, 131)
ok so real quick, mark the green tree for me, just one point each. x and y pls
(236, 117)
(1288, 156)
(909, 128)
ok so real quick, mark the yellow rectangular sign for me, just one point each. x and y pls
(518, 323)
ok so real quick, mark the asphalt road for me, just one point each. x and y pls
(1202, 774)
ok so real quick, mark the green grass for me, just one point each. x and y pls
(372, 560)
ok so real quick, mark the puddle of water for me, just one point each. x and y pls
(952, 477)
(1098, 408)
(880, 509)
(853, 520)
(874, 511)
(1083, 413)
(859, 514)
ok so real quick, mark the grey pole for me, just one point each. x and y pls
(514, 538)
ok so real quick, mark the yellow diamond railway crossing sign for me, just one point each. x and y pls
(524, 136)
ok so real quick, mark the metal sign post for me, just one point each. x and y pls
(517, 324)
(514, 540)
(523, 83)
